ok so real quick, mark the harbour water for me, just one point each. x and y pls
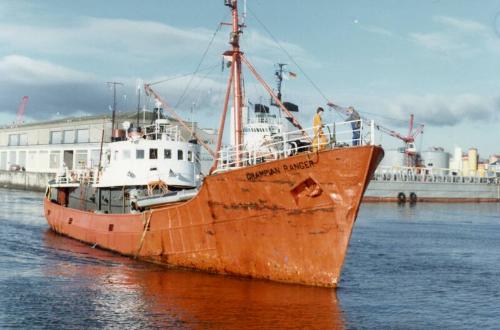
(409, 267)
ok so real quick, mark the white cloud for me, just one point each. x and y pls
(112, 42)
(55, 89)
(24, 70)
(109, 38)
(441, 42)
(441, 110)
(266, 50)
(461, 24)
(377, 30)
(458, 36)
(204, 93)
(51, 88)
(106, 49)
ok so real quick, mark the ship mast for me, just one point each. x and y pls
(236, 67)
(113, 83)
(235, 85)
(279, 81)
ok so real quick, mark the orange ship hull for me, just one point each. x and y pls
(287, 220)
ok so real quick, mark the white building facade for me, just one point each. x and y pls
(45, 147)
(73, 143)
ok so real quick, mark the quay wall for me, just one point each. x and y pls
(388, 191)
(34, 181)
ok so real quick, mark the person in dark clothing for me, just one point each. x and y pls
(354, 118)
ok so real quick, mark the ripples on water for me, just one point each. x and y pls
(408, 267)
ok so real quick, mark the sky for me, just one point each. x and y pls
(436, 59)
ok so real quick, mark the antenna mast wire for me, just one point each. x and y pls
(288, 54)
(181, 99)
(184, 75)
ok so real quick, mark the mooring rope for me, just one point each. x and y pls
(146, 225)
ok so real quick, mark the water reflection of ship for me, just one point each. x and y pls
(156, 297)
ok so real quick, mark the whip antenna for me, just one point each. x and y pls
(244, 12)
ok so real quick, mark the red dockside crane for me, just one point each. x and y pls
(408, 139)
(22, 108)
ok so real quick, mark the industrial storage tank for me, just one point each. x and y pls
(393, 158)
(481, 170)
(465, 166)
(473, 157)
(456, 160)
(438, 159)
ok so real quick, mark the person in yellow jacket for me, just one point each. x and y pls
(319, 140)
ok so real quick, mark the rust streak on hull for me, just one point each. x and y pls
(288, 220)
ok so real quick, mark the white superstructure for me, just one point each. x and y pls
(261, 130)
(158, 155)
(161, 155)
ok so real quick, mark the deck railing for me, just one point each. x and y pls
(77, 176)
(268, 119)
(283, 145)
(163, 130)
(418, 174)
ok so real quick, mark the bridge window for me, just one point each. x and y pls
(55, 137)
(54, 160)
(69, 136)
(167, 154)
(13, 139)
(82, 135)
(3, 160)
(126, 154)
(81, 159)
(153, 153)
(190, 156)
(179, 154)
(22, 159)
(18, 139)
(95, 154)
(139, 154)
(23, 139)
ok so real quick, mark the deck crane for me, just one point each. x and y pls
(21, 109)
